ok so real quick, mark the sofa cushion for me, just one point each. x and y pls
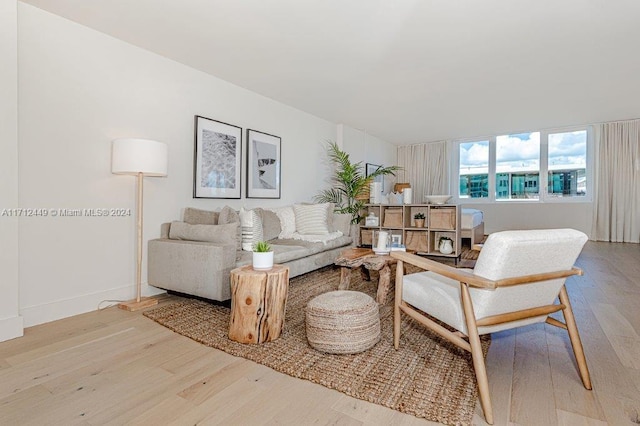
(210, 233)
(311, 218)
(228, 215)
(287, 221)
(200, 217)
(251, 228)
(341, 222)
(271, 227)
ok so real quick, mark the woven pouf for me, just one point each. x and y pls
(342, 322)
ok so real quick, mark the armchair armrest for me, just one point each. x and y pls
(476, 280)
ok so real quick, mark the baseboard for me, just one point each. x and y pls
(10, 328)
(52, 311)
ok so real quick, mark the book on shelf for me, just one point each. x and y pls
(398, 247)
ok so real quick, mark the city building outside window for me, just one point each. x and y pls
(532, 166)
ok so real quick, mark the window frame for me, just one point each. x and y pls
(543, 179)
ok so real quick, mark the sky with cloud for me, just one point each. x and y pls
(521, 152)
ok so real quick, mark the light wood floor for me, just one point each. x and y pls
(116, 367)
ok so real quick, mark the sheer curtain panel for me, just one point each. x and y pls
(616, 213)
(426, 168)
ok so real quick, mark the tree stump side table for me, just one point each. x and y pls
(258, 303)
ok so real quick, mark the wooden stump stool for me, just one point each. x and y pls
(258, 303)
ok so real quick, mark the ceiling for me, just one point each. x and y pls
(406, 71)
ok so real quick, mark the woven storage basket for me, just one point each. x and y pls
(342, 322)
(442, 219)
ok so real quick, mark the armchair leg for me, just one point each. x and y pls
(476, 354)
(396, 304)
(574, 336)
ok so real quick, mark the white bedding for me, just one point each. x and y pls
(471, 218)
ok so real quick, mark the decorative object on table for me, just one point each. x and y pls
(441, 375)
(349, 184)
(395, 198)
(262, 256)
(445, 245)
(418, 219)
(218, 152)
(382, 241)
(370, 170)
(407, 195)
(263, 165)
(342, 322)
(375, 194)
(437, 199)
(371, 219)
(139, 157)
(258, 303)
(400, 187)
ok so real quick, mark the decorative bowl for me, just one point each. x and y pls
(437, 199)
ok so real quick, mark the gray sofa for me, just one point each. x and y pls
(201, 268)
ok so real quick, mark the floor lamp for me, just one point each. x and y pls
(139, 157)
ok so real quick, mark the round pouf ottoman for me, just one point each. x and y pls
(342, 322)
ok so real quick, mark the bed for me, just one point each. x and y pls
(472, 224)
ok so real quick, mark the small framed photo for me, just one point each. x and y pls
(263, 165)
(369, 169)
(217, 158)
(396, 240)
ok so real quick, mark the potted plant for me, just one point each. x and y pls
(349, 183)
(262, 256)
(419, 220)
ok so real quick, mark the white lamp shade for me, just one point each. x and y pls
(133, 156)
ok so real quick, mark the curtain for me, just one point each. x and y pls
(616, 213)
(426, 168)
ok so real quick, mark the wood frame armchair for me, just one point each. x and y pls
(516, 281)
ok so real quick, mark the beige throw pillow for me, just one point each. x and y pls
(224, 234)
(229, 215)
(200, 217)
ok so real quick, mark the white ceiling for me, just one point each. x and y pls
(406, 71)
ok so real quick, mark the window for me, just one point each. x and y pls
(474, 168)
(531, 166)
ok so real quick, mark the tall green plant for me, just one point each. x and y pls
(348, 183)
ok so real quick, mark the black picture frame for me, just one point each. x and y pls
(217, 159)
(263, 165)
(369, 169)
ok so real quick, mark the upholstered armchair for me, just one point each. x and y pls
(516, 280)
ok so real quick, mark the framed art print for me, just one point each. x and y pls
(217, 158)
(369, 169)
(263, 165)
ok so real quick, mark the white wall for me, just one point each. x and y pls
(368, 149)
(517, 215)
(80, 89)
(10, 321)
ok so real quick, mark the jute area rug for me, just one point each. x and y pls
(427, 377)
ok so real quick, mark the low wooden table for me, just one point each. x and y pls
(366, 260)
(258, 303)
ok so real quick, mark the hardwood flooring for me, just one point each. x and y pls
(113, 367)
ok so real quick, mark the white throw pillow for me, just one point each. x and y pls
(311, 218)
(251, 228)
(287, 221)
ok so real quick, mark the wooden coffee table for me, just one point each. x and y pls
(366, 260)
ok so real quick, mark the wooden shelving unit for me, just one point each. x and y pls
(441, 220)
